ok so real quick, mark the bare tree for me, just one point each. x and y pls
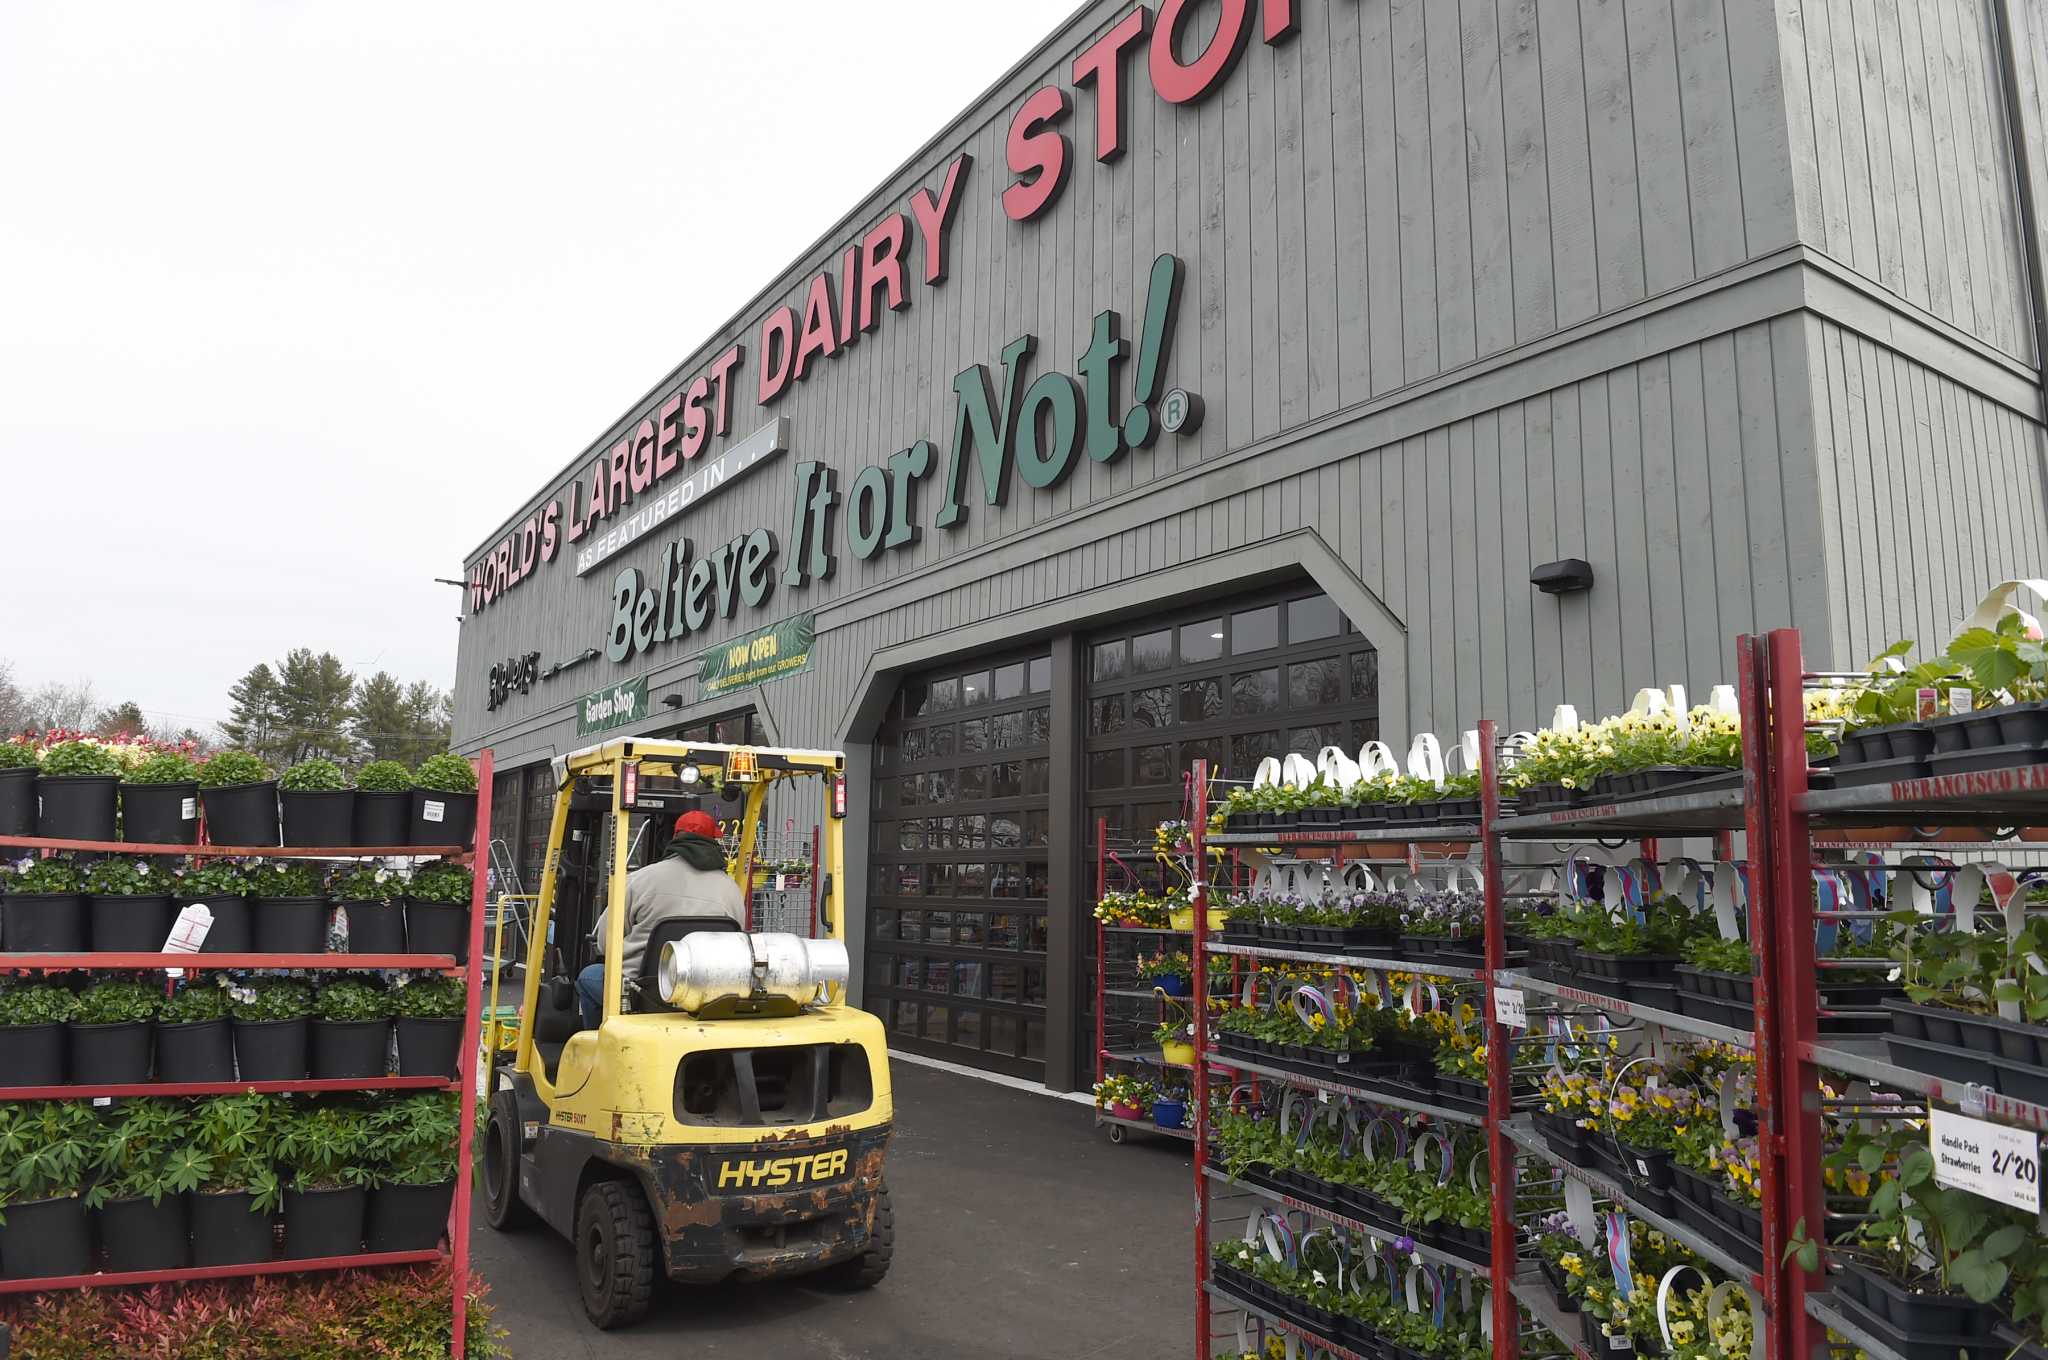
(61, 705)
(13, 703)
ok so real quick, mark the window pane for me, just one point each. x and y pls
(1364, 730)
(967, 1028)
(1312, 618)
(1005, 981)
(1255, 692)
(1311, 684)
(913, 744)
(1041, 674)
(939, 741)
(966, 978)
(1215, 750)
(909, 880)
(913, 925)
(1002, 932)
(1035, 877)
(917, 701)
(938, 927)
(1105, 661)
(973, 782)
(1152, 652)
(883, 923)
(1154, 764)
(1004, 831)
(935, 1023)
(938, 833)
(970, 833)
(1201, 700)
(1002, 1033)
(1035, 828)
(1034, 1039)
(1006, 779)
(910, 835)
(945, 697)
(1006, 732)
(906, 1017)
(1006, 881)
(941, 787)
(910, 974)
(970, 880)
(974, 737)
(938, 975)
(1008, 681)
(1255, 630)
(1037, 776)
(1106, 770)
(1201, 641)
(1152, 707)
(1105, 716)
(974, 688)
(1034, 986)
(907, 791)
(1249, 748)
(1365, 675)
(938, 882)
(1038, 726)
(1310, 740)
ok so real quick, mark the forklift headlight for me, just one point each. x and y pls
(690, 776)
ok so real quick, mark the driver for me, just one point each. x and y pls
(688, 880)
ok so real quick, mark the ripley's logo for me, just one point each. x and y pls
(776, 1172)
(519, 673)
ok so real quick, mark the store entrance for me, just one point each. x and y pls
(957, 896)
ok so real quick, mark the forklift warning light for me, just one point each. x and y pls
(741, 765)
(838, 795)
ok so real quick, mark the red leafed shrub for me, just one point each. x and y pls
(383, 1315)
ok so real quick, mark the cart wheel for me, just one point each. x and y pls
(1116, 1133)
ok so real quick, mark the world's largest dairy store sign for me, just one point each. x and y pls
(1032, 426)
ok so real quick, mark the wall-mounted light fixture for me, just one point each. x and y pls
(588, 654)
(671, 701)
(1563, 577)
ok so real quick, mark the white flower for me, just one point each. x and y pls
(383, 874)
(1318, 1275)
(142, 870)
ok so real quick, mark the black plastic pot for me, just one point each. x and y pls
(32, 1055)
(438, 928)
(42, 923)
(18, 801)
(291, 925)
(130, 925)
(1951, 1317)
(375, 927)
(319, 1223)
(160, 814)
(442, 818)
(322, 817)
(271, 1050)
(428, 1048)
(228, 1230)
(382, 819)
(241, 814)
(196, 1051)
(408, 1217)
(139, 1235)
(350, 1049)
(76, 807)
(46, 1237)
(110, 1055)
(232, 931)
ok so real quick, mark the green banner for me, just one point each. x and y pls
(614, 707)
(766, 654)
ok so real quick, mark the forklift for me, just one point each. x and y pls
(727, 1117)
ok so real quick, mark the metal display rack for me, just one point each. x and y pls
(457, 1253)
(1122, 1040)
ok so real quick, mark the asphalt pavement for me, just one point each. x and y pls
(1021, 1232)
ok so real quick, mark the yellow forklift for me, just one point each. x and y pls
(726, 1119)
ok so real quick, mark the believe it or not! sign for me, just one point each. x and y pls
(615, 707)
(767, 654)
(1999, 1163)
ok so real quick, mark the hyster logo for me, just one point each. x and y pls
(776, 1172)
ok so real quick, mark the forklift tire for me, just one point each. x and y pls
(503, 1208)
(616, 1254)
(866, 1270)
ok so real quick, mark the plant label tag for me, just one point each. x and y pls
(1511, 1007)
(1991, 1160)
(101, 1102)
(188, 933)
(778, 883)
(1960, 700)
(1927, 702)
(188, 810)
(433, 810)
(1322, 1097)
(1621, 1343)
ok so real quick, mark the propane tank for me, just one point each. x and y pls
(710, 966)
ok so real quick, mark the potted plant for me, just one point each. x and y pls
(444, 801)
(193, 1041)
(1167, 972)
(437, 901)
(270, 1024)
(1170, 1108)
(75, 791)
(325, 1197)
(351, 1030)
(240, 799)
(130, 906)
(383, 815)
(290, 908)
(430, 1015)
(160, 800)
(222, 888)
(1176, 1040)
(110, 1033)
(369, 900)
(42, 911)
(239, 1191)
(145, 1173)
(32, 1017)
(18, 768)
(316, 805)
(49, 1148)
(412, 1147)
(1123, 1097)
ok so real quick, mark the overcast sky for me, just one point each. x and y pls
(299, 299)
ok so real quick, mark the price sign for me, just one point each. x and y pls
(1511, 1007)
(1987, 1159)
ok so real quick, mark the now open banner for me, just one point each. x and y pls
(766, 654)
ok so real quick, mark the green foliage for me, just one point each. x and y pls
(440, 883)
(17, 755)
(2003, 663)
(384, 776)
(284, 878)
(1893, 696)
(232, 767)
(194, 1002)
(1722, 956)
(264, 999)
(144, 1156)
(35, 1004)
(47, 1148)
(413, 1140)
(430, 998)
(323, 1146)
(165, 767)
(445, 773)
(366, 884)
(352, 1000)
(313, 776)
(213, 878)
(52, 875)
(1177, 963)
(127, 878)
(1926, 1235)
(80, 757)
(117, 1003)
(235, 1135)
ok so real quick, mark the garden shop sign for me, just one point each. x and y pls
(651, 473)
(613, 707)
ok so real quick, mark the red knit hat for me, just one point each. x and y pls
(697, 824)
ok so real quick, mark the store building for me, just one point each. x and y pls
(1215, 385)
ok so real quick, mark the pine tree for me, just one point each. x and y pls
(429, 718)
(122, 718)
(314, 694)
(257, 724)
(379, 719)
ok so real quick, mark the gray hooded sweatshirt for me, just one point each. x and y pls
(673, 886)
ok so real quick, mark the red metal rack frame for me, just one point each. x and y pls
(1500, 1154)
(450, 852)
(111, 1278)
(472, 1025)
(324, 963)
(1198, 897)
(168, 1089)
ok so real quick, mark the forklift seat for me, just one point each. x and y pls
(556, 1018)
(649, 987)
